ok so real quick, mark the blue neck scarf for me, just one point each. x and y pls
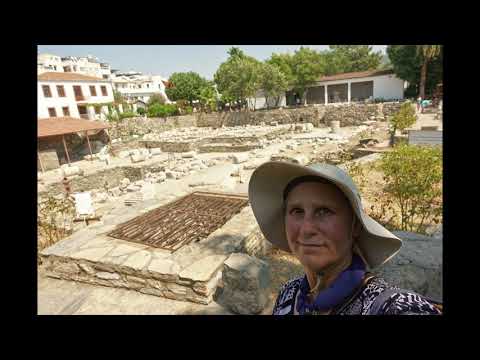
(339, 290)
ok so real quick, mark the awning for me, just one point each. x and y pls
(66, 125)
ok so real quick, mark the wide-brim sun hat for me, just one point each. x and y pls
(376, 245)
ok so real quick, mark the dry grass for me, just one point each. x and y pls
(283, 267)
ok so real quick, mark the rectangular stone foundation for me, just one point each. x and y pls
(191, 273)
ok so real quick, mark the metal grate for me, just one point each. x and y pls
(190, 218)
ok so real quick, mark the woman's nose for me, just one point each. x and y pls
(308, 226)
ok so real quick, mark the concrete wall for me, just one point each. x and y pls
(69, 100)
(261, 103)
(387, 87)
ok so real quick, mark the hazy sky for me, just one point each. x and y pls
(166, 59)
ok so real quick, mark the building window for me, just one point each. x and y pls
(67, 69)
(66, 111)
(82, 110)
(52, 112)
(104, 90)
(105, 76)
(46, 91)
(93, 91)
(61, 90)
(78, 93)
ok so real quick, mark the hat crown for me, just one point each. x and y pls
(336, 173)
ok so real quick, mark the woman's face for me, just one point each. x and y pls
(318, 224)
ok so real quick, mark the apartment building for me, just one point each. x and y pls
(73, 95)
(86, 65)
(136, 86)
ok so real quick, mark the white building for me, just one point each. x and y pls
(344, 88)
(49, 62)
(136, 86)
(87, 65)
(75, 95)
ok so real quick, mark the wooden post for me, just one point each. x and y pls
(89, 147)
(40, 160)
(66, 151)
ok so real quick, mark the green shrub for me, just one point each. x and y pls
(140, 111)
(127, 114)
(159, 110)
(413, 177)
(404, 118)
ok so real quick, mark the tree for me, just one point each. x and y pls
(272, 81)
(427, 53)
(186, 86)
(307, 65)
(351, 58)
(284, 63)
(208, 97)
(404, 118)
(237, 77)
(407, 64)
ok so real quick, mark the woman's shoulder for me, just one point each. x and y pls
(382, 298)
(285, 302)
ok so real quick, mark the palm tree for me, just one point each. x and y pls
(428, 53)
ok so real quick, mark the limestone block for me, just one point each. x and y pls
(203, 269)
(67, 268)
(189, 155)
(133, 188)
(138, 158)
(246, 281)
(107, 275)
(155, 151)
(71, 171)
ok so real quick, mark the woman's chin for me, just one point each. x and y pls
(314, 262)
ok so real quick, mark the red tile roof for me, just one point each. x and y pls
(353, 75)
(66, 125)
(67, 76)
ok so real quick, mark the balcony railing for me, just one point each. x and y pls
(79, 97)
(84, 116)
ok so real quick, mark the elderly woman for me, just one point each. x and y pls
(316, 214)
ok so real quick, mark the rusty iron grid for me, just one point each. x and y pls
(190, 218)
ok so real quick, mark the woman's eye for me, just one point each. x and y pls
(323, 211)
(296, 211)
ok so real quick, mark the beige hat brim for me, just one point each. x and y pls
(265, 191)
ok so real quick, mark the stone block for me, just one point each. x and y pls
(189, 155)
(155, 151)
(67, 268)
(245, 284)
(203, 269)
(240, 158)
(133, 188)
(87, 268)
(107, 275)
(138, 158)
(71, 171)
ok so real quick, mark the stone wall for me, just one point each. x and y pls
(141, 126)
(147, 281)
(96, 181)
(281, 116)
(350, 114)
